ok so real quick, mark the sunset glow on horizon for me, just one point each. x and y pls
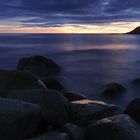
(67, 16)
(114, 27)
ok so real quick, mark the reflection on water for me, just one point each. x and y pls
(88, 61)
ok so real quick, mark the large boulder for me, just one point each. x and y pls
(113, 89)
(73, 96)
(83, 112)
(52, 83)
(52, 136)
(121, 127)
(133, 109)
(18, 120)
(11, 80)
(38, 65)
(75, 132)
(54, 105)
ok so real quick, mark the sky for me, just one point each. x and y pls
(69, 16)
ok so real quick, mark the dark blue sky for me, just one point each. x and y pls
(58, 13)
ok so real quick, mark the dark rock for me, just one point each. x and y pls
(136, 81)
(18, 120)
(135, 31)
(75, 132)
(84, 112)
(133, 109)
(11, 80)
(38, 65)
(121, 127)
(54, 105)
(52, 136)
(113, 89)
(52, 83)
(73, 96)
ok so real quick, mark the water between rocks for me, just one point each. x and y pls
(88, 61)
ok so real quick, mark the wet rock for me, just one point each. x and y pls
(38, 65)
(52, 136)
(18, 120)
(133, 109)
(75, 132)
(54, 105)
(52, 83)
(11, 80)
(73, 96)
(113, 89)
(83, 112)
(121, 127)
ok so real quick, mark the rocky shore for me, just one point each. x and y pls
(35, 106)
(135, 31)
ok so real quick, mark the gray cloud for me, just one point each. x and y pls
(55, 13)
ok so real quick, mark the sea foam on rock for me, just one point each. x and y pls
(18, 120)
(83, 112)
(11, 80)
(120, 127)
(38, 65)
(54, 105)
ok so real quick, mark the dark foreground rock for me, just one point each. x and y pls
(73, 96)
(75, 132)
(133, 109)
(52, 136)
(11, 80)
(52, 83)
(18, 120)
(54, 105)
(120, 127)
(84, 112)
(38, 65)
(113, 89)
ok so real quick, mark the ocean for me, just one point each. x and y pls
(88, 61)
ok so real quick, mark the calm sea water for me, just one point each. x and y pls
(88, 61)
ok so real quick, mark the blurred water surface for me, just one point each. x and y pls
(88, 61)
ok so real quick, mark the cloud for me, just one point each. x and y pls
(56, 13)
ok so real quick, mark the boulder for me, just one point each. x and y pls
(38, 65)
(113, 89)
(18, 120)
(11, 80)
(52, 136)
(120, 127)
(75, 132)
(83, 112)
(73, 96)
(133, 109)
(52, 83)
(54, 105)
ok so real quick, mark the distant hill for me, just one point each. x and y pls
(135, 31)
